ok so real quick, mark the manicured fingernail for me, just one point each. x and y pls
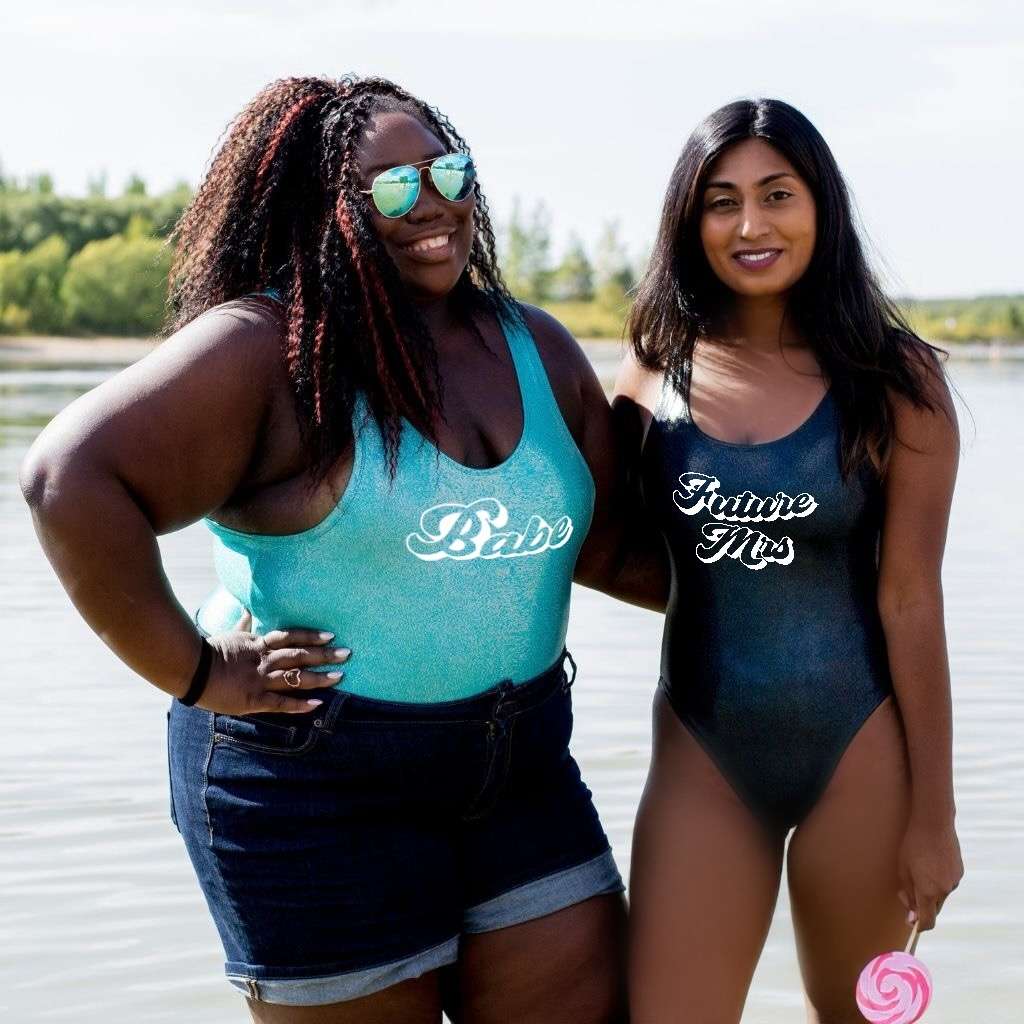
(335, 675)
(341, 653)
(314, 703)
(911, 917)
(326, 636)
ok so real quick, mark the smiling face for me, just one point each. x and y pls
(429, 245)
(758, 220)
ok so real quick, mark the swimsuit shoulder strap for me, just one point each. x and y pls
(540, 406)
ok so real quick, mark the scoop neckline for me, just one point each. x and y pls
(424, 440)
(482, 470)
(761, 444)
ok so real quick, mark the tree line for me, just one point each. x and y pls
(95, 264)
(98, 264)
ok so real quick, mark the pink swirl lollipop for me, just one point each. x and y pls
(894, 988)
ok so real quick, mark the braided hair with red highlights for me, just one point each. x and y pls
(280, 208)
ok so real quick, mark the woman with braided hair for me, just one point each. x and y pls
(395, 456)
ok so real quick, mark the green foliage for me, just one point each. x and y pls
(139, 226)
(97, 185)
(573, 278)
(84, 264)
(611, 261)
(118, 285)
(613, 298)
(135, 186)
(13, 319)
(27, 216)
(614, 273)
(944, 321)
(587, 319)
(989, 318)
(526, 252)
(606, 281)
(30, 287)
(41, 184)
(97, 264)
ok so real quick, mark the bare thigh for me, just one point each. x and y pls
(417, 1001)
(704, 880)
(566, 966)
(841, 868)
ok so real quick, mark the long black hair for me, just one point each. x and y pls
(863, 343)
(280, 208)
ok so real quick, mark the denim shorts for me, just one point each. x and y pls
(347, 850)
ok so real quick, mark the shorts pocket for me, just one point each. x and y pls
(268, 733)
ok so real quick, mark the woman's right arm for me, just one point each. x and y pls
(149, 451)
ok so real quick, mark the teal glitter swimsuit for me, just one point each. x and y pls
(442, 581)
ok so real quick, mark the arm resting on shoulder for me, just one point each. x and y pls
(622, 556)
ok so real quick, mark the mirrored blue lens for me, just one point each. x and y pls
(453, 176)
(395, 190)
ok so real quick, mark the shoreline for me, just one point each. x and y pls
(44, 350)
(973, 350)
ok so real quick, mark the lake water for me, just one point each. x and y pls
(101, 919)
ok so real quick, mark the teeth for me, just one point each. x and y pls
(429, 244)
(755, 257)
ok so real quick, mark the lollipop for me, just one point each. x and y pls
(895, 988)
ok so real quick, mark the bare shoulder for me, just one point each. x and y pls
(572, 378)
(560, 351)
(632, 377)
(637, 383)
(220, 368)
(929, 427)
(181, 427)
(245, 335)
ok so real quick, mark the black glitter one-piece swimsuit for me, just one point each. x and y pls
(773, 653)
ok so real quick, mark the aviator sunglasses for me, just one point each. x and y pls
(396, 190)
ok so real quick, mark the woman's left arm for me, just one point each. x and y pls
(622, 556)
(918, 491)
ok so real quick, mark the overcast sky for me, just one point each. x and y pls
(581, 104)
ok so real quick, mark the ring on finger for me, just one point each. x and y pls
(291, 677)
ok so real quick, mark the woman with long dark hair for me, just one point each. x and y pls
(382, 810)
(799, 450)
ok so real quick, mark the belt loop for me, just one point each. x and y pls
(504, 689)
(329, 716)
(569, 680)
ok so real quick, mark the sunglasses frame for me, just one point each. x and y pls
(420, 166)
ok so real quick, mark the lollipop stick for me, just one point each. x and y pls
(912, 941)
